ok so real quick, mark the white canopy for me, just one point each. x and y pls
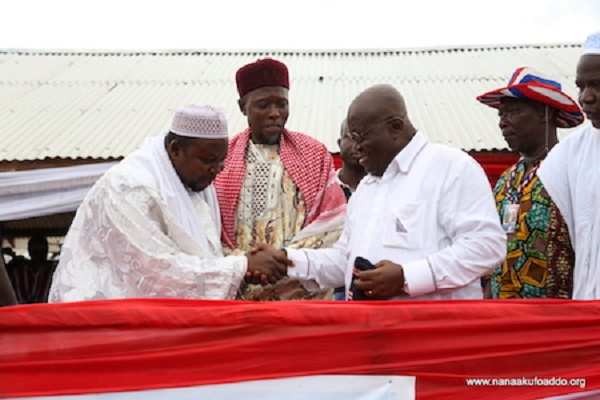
(40, 192)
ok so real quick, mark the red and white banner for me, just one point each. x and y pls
(180, 349)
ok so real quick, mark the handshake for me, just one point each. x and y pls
(266, 265)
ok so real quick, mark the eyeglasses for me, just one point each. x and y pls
(359, 137)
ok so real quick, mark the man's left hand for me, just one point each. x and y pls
(383, 282)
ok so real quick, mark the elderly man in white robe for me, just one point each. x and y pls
(150, 227)
(571, 174)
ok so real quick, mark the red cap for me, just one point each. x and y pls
(265, 72)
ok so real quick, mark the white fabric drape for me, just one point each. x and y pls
(35, 193)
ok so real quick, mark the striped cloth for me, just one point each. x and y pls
(307, 161)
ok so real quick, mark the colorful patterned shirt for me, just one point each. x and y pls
(540, 236)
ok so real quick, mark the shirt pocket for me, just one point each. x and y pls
(404, 229)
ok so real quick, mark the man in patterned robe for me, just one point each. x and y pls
(540, 258)
(278, 187)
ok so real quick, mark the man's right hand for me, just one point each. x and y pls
(267, 265)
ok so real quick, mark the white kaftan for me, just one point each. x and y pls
(571, 175)
(140, 233)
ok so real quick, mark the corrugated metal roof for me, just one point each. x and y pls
(100, 105)
(48, 225)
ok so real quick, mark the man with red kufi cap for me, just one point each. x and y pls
(278, 187)
(539, 261)
(150, 227)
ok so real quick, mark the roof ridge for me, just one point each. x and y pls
(124, 52)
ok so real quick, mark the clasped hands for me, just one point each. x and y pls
(266, 265)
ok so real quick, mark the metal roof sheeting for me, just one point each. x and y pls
(101, 105)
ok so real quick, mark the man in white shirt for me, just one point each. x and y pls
(424, 214)
(150, 227)
(571, 175)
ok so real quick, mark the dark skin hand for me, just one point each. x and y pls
(383, 282)
(266, 266)
(280, 256)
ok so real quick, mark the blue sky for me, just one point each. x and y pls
(288, 24)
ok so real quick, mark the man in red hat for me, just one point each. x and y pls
(278, 186)
(540, 257)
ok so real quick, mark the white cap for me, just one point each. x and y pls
(203, 122)
(592, 44)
